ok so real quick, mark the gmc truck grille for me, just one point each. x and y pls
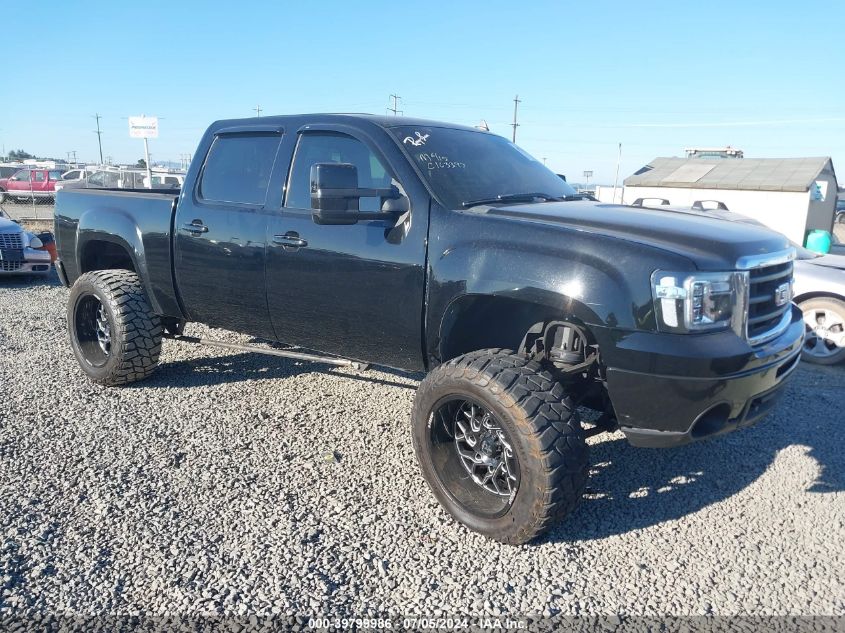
(769, 298)
(11, 240)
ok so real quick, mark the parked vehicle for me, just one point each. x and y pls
(427, 246)
(21, 252)
(112, 178)
(820, 293)
(840, 210)
(28, 184)
(76, 174)
(165, 181)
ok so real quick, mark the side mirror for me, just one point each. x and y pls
(335, 195)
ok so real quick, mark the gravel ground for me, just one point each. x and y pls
(241, 484)
(29, 211)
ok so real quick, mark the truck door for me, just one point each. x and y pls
(220, 234)
(351, 290)
(21, 183)
(39, 182)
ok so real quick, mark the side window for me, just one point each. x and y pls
(23, 174)
(55, 174)
(71, 175)
(238, 168)
(333, 148)
(40, 176)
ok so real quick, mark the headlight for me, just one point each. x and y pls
(696, 302)
(35, 242)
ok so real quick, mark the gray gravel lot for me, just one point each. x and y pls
(207, 490)
(28, 211)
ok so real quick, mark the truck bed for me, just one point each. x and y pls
(91, 224)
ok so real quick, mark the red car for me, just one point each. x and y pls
(26, 184)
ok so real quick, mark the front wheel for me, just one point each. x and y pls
(115, 335)
(500, 444)
(824, 321)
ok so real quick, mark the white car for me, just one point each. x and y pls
(820, 293)
(20, 251)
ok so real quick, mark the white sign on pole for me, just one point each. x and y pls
(143, 127)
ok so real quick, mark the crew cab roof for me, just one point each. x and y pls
(295, 121)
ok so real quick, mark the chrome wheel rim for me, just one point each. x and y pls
(103, 330)
(825, 332)
(473, 456)
(484, 449)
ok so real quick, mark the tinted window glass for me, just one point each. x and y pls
(40, 176)
(55, 174)
(71, 175)
(23, 174)
(334, 148)
(467, 165)
(238, 168)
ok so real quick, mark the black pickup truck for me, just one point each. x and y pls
(433, 247)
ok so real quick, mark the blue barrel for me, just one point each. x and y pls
(818, 241)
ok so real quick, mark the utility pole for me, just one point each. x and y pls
(257, 110)
(616, 181)
(99, 136)
(395, 109)
(516, 102)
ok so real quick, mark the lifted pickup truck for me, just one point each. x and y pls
(427, 246)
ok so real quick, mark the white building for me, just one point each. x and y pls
(791, 195)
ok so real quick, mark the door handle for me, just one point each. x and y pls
(196, 227)
(291, 238)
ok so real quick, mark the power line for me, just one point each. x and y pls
(257, 110)
(99, 134)
(516, 102)
(395, 110)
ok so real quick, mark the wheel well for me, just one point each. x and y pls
(101, 255)
(478, 322)
(817, 295)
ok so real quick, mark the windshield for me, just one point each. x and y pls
(463, 166)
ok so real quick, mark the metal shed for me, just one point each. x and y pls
(791, 195)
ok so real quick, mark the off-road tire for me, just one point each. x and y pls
(134, 328)
(540, 420)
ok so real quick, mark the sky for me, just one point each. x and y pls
(657, 77)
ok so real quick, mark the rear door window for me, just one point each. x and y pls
(238, 168)
(40, 176)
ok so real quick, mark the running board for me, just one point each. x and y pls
(330, 360)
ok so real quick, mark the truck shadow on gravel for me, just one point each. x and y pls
(633, 488)
(230, 368)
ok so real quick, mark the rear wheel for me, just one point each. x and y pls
(500, 444)
(824, 321)
(114, 333)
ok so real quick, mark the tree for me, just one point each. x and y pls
(19, 154)
(141, 163)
